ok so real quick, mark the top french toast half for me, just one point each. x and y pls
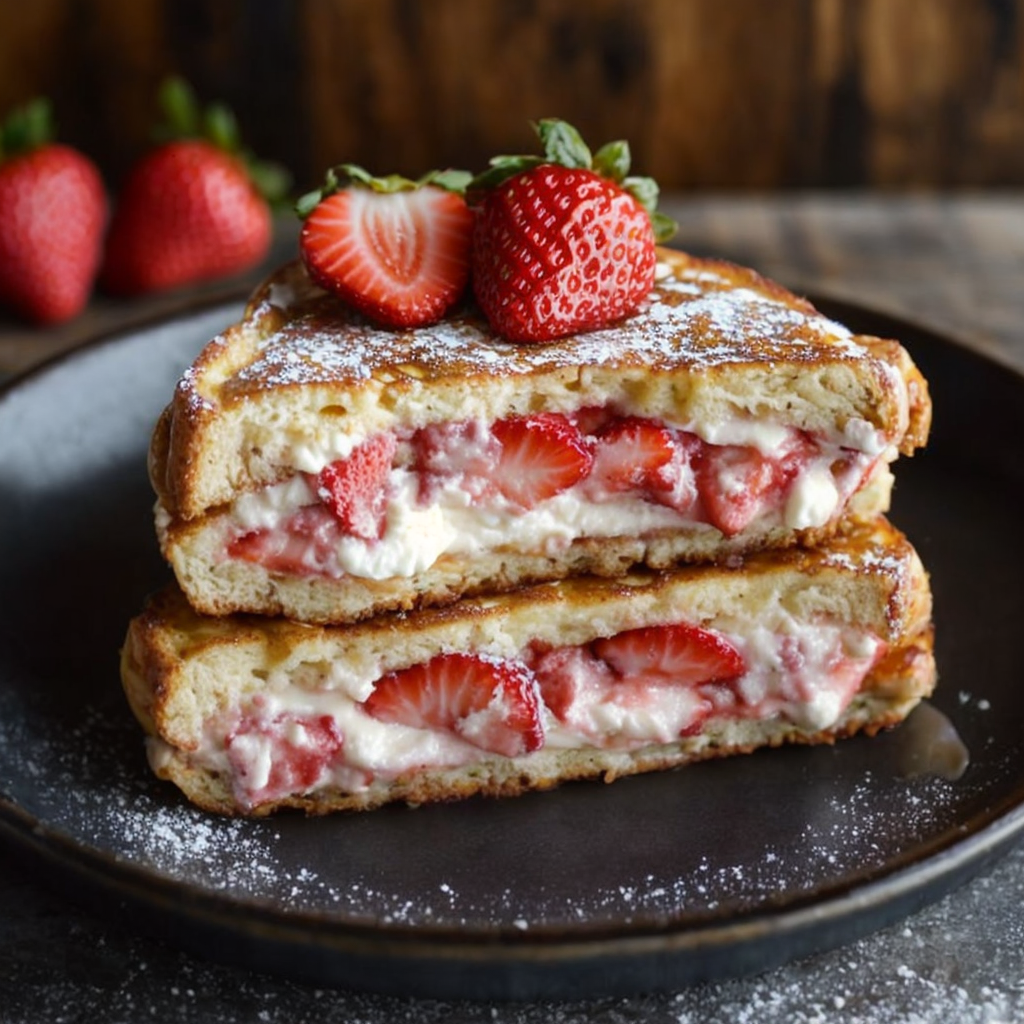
(716, 341)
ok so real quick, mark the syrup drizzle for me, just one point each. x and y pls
(931, 746)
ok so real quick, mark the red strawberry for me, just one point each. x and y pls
(300, 749)
(633, 454)
(492, 704)
(681, 654)
(190, 210)
(464, 451)
(566, 242)
(396, 250)
(355, 488)
(304, 546)
(734, 482)
(53, 209)
(540, 457)
(565, 674)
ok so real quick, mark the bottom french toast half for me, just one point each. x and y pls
(583, 678)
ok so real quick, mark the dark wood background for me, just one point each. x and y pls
(722, 94)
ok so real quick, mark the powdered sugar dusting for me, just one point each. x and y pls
(696, 317)
(91, 783)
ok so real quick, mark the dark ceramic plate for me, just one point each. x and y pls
(651, 883)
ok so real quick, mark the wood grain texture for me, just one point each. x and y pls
(740, 94)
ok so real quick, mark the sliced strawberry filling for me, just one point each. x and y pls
(355, 489)
(273, 756)
(516, 464)
(660, 670)
(655, 684)
(491, 704)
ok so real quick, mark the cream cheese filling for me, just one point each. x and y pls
(417, 535)
(804, 673)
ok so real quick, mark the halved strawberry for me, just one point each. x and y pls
(302, 546)
(632, 454)
(297, 748)
(355, 488)
(396, 250)
(492, 704)
(540, 456)
(681, 654)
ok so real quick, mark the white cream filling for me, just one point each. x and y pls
(801, 672)
(311, 454)
(453, 524)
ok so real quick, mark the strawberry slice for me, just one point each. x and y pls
(492, 704)
(566, 675)
(632, 453)
(303, 546)
(298, 749)
(540, 456)
(735, 483)
(680, 654)
(355, 488)
(463, 452)
(396, 250)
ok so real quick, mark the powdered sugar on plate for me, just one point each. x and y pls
(90, 783)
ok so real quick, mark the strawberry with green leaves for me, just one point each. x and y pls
(394, 249)
(194, 208)
(53, 210)
(563, 242)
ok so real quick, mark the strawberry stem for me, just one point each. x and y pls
(344, 176)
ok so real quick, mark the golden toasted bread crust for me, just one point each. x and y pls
(216, 585)
(715, 340)
(180, 668)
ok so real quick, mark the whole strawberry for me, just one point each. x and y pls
(564, 242)
(53, 209)
(394, 249)
(191, 209)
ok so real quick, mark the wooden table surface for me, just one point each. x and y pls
(952, 263)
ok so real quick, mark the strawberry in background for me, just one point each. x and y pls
(53, 209)
(194, 208)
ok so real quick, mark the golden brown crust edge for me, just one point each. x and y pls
(184, 436)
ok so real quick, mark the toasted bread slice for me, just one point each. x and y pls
(727, 416)
(582, 678)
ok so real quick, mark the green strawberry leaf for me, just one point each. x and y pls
(221, 128)
(612, 161)
(178, 104)
(450, 180)
(272, 180)
(644, 190)
(501, 169)
(563, 144)
(346, 175)
(27, 128)
(664, 227)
